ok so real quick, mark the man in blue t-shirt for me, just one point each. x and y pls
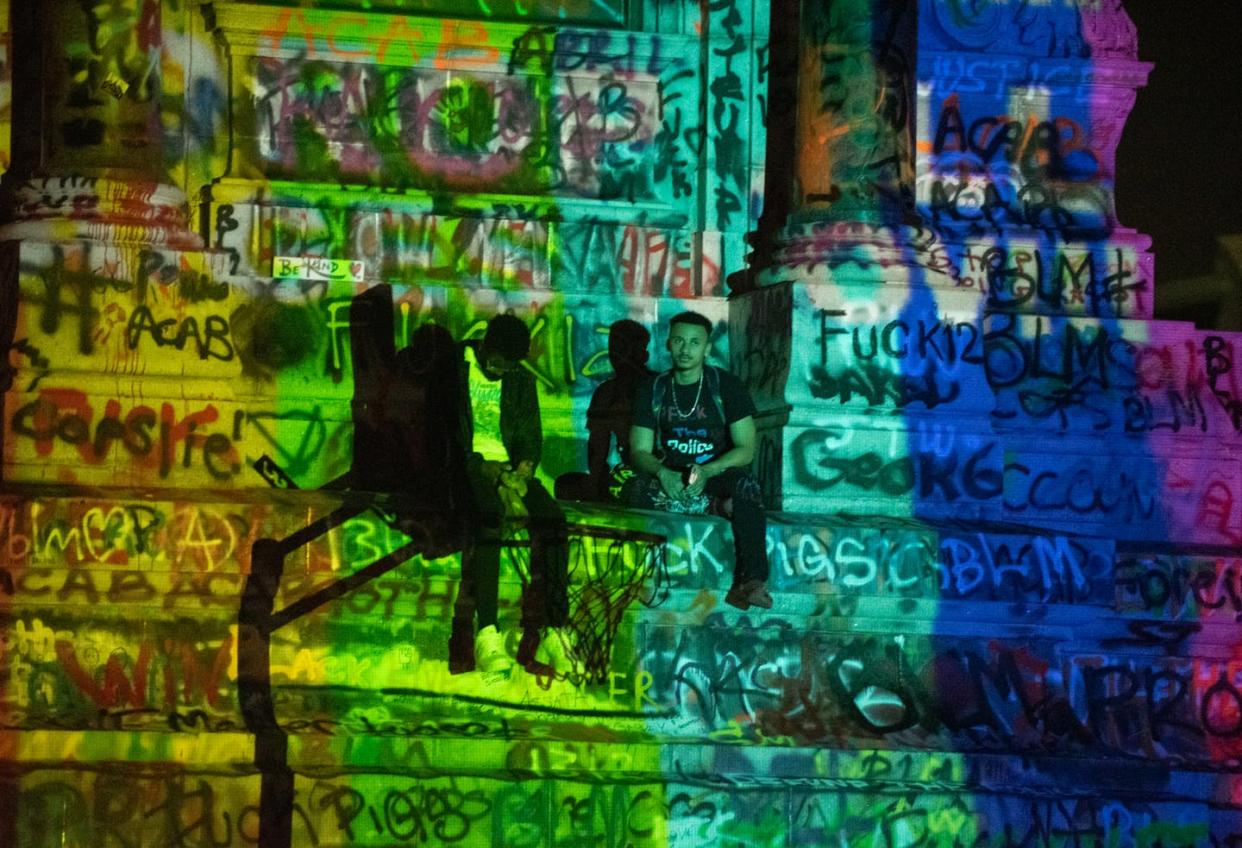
(692, 441)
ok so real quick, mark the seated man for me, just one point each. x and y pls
(694, 437)
(501, 429)
(609, 416)
(612, 406)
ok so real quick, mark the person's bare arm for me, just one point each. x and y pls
(597, 452)
(742, 432)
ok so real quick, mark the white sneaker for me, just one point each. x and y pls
(489, 651)
(555, 651)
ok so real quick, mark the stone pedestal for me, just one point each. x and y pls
(952, 293)
(91, 151)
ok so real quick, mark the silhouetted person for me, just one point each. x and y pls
(377, 436)
(406, 441)
(609, 417)
(694, 437)
(500, 423)
(433, 441)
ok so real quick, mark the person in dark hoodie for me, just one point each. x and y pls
(608, 419)
(611, 412)
(501, 430)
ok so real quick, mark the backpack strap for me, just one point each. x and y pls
(713, 389)
(657, 396)
(657, 405)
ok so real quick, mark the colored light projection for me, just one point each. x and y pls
(1007, 554)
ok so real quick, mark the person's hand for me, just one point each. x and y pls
(670, 480)
(514, 480)
(699, 475)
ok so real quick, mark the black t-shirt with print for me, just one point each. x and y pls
(703, 433)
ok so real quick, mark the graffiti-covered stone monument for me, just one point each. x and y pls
(1005, 500)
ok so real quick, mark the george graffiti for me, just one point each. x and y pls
(824, 460)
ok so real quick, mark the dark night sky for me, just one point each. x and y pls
(1179, 165)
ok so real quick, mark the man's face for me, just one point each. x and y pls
(688, 345)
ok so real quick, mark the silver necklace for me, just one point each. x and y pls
(698, 394)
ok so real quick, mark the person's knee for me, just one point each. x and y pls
(637, 491)
(746, 489)
(551, 533)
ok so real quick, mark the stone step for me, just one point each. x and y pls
(543, 795)
(64, 545)
(1066, 650)
(1159, 487)
(142, 313)
(425, 753)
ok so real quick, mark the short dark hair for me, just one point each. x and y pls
(627, 343)
(692, 318)
(507, 335)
